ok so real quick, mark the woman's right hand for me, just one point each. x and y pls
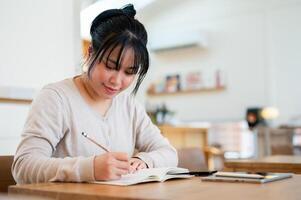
(110, 166)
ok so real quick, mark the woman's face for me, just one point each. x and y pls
(106, 80)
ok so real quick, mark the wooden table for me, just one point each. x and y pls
(268, 164)
(174, 189)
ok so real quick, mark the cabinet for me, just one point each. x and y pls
(184, 137)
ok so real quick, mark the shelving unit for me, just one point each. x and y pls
(183, 92)
(16, 95)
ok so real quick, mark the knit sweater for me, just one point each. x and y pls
(52, 147)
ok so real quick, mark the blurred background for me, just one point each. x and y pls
(223, 78)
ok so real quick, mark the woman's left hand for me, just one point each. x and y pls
(137, 164)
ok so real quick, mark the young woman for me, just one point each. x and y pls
(53, 147)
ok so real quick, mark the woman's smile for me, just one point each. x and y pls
(109, 90)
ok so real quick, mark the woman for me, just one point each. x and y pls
(53, 147)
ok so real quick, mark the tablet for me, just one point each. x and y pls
(247, 178)
(240, 175)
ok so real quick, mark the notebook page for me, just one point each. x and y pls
(144, 175)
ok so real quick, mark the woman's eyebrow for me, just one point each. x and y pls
(112, 61)
(115, 63)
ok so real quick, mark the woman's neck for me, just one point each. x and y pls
(88, 89)
(93, 99)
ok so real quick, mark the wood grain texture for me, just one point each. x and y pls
(278, 163)
(174, 189)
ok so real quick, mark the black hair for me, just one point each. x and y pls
(118, 28)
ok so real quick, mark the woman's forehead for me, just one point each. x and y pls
(125, 55)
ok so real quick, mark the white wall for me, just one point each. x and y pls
(284, 61)
(40, 43)
(254, 41)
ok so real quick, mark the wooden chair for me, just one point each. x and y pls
(192, 158)
(6, 177)
(198, 159)
(276, 141)
(282, 141)
(215, 157)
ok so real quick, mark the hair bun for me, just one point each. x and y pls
(129, 10)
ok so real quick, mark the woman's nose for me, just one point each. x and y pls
(116, 78)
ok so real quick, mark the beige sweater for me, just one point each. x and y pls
(53, 149)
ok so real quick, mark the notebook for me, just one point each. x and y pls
(246, 177)
(149, 175)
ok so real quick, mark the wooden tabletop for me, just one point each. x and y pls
(188, 189)
(287, 163)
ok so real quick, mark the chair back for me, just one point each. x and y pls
(192, 158)
(282, 141)
(275, 141)
(6, 177)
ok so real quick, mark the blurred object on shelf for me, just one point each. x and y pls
(152, 88)
(220, 79)
(156, 87)
(193, 80)
(160, 114)
(172, 83)
(200, 81)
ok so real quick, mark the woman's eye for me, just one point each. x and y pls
(131, 71)
(109, 67)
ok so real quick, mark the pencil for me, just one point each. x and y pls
(89, 138)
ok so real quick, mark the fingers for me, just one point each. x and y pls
(120, 156)
(124, 165)
(120, 160)
(133, 166)
(136, 164)
(111, 166)
(141, 166)
(116, 173)
(120, 172)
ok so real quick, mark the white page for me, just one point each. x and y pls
(146, 175)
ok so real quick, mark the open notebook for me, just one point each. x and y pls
(148, 175)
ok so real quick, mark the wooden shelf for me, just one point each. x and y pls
(16, 95)
(150, 93)
(15, 101)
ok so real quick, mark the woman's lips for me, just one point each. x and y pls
(110, 90)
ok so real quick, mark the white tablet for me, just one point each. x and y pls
(245, 177)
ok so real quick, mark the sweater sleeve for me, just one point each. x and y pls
(44, 128)
(154, 149)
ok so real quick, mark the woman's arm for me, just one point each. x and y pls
(44, 128)
(154, 149)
